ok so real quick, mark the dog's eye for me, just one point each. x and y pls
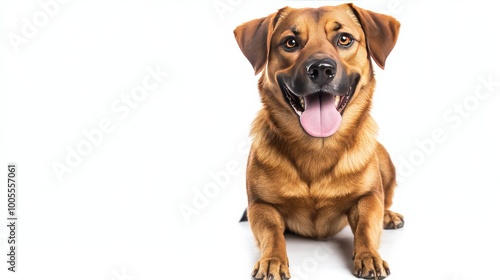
(290, 44)
(345, 40)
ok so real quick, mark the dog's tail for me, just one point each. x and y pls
(244, 218)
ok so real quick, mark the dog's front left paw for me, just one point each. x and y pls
(370, 266)
(271, 269)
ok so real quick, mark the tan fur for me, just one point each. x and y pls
(314, 187)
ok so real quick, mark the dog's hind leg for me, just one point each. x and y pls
(244, 217)
(392, 220)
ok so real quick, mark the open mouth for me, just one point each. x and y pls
(320, 113)
(298, 102)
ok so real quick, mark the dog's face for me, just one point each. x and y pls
(315, 60)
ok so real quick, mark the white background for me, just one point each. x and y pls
(117, 214)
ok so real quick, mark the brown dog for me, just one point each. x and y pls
(315, 164)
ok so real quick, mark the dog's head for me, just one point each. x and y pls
(315, 60)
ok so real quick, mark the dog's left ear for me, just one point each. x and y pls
(254, 38)
(381, 32)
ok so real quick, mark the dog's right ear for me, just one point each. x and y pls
(254, 39)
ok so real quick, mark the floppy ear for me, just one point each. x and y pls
(254, 38)
(381, 32)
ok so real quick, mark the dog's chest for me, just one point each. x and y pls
(321, 212)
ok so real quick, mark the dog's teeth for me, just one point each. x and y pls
(337, 100)
(302, 102)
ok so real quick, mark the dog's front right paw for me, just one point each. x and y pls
(271, 269)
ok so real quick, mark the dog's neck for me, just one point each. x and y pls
(315, 157)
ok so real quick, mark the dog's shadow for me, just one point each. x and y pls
(335, 251)
(311, 254)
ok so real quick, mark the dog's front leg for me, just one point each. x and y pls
(268, 228)
(365, 219)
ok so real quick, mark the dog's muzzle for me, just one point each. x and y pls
(319, 95)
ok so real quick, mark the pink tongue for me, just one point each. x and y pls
(320, 117)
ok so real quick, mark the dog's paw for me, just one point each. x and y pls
(271, 269)
(370, 266)
(393, 220)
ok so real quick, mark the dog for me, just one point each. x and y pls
(315, 165)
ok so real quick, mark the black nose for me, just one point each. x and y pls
(322, 71)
